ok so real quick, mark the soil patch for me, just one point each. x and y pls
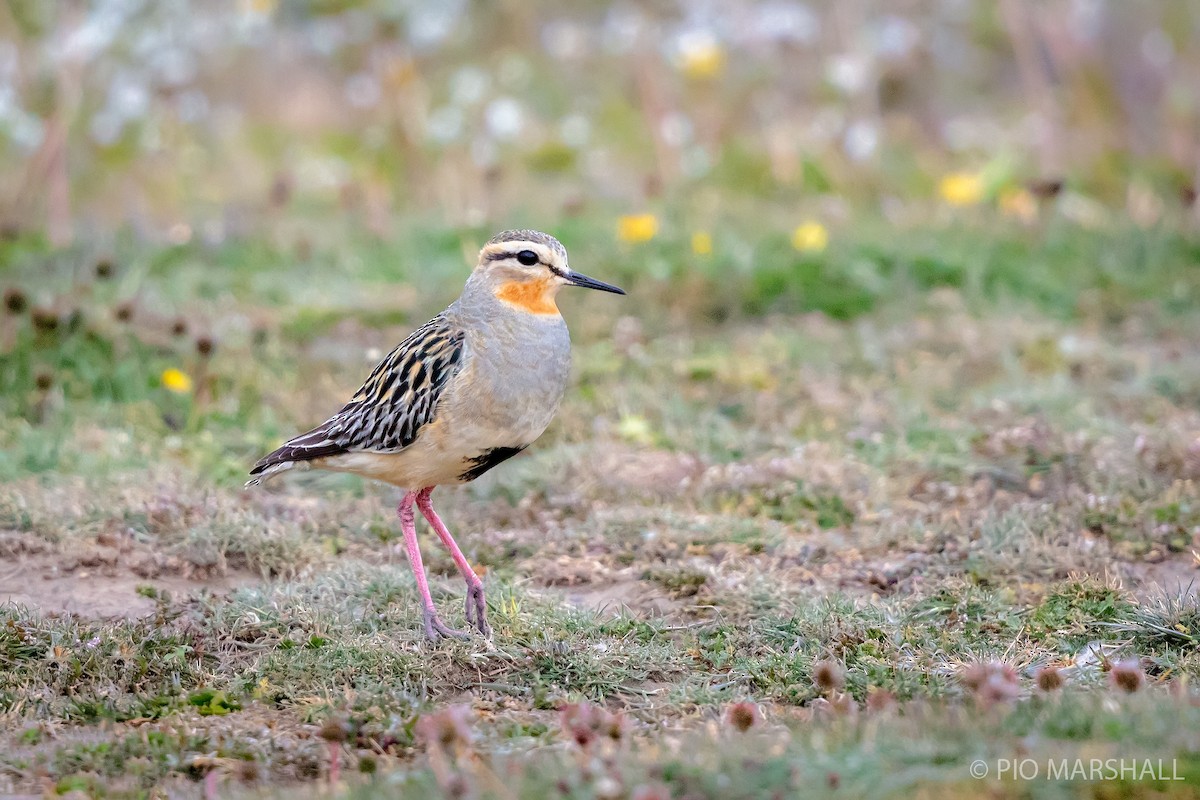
(102, 580)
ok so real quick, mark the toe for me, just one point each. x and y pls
(476, 606)
(480, 620)
(435, 628)
(449, 632)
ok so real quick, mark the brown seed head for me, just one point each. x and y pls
(43, 380)
(1046, 188)
(281, 190)
(179, 327)
(445, 728)
(1127, 676)
(44, 319)
(582, 722)
(1000, 687)
(742, 716)
(828, 676)
(123, 312)
(247, 770)
(614, 726)
(992, 682)
(104, 269)
(205, 345)
(335, 730)
(1049, 679)
(15, 301)
(880, 701)
(973, 675)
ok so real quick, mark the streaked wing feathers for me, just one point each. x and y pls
(396, 401)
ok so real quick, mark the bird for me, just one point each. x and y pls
(469, 389)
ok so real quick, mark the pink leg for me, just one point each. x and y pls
(476, 605)
(433, 625)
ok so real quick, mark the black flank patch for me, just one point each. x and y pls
(482, 463)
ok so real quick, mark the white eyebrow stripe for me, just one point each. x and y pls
(502, 250)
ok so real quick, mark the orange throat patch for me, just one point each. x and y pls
(533, 297)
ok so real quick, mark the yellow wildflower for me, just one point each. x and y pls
(635, 228)
(262, 7)
(810, 237)
(635, 428)
(1017, 202)
(702, 59)
(961, 188)
(701, 243)
(176, 380)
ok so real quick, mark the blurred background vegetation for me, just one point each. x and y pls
(192, 120)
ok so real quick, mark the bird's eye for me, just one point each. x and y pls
(527, 257)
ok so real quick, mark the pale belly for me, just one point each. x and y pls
(438, 457)
(412, 469)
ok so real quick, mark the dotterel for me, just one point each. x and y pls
(467, 390)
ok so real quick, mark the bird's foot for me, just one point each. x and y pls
(477, 608)
(435, 628)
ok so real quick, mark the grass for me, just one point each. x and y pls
(921, 451)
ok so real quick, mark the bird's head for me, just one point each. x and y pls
(527, 268)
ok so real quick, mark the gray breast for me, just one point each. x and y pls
(519, 365)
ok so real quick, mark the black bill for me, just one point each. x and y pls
(591, 283)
